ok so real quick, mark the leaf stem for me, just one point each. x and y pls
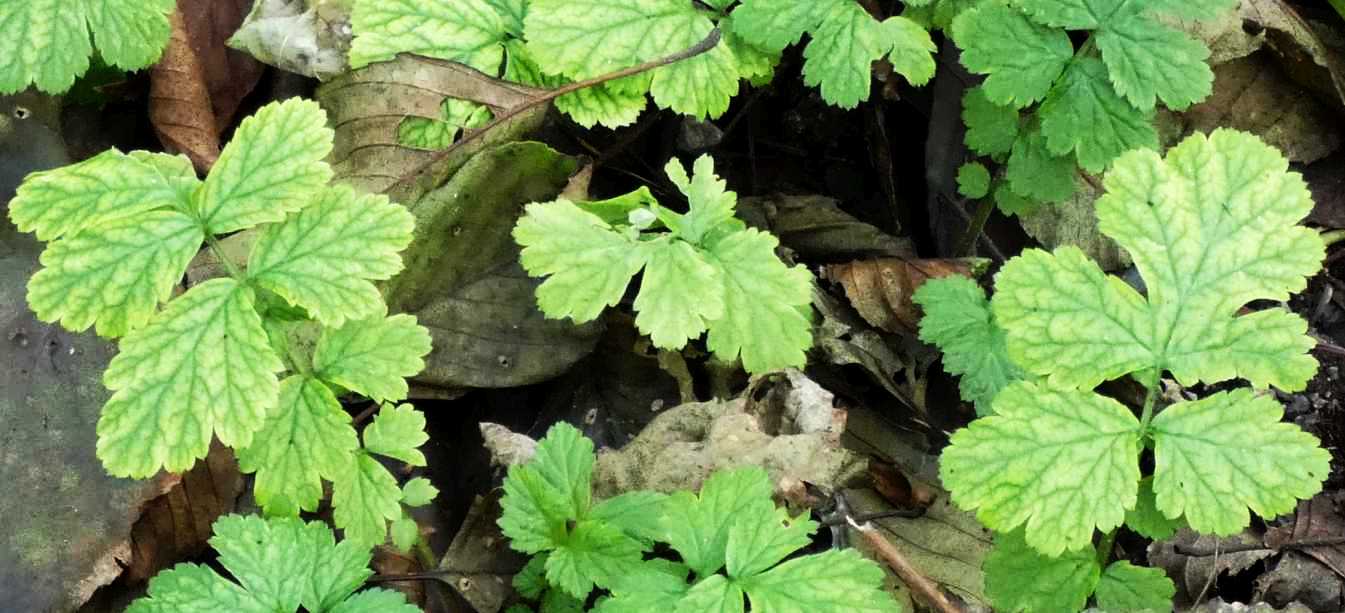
(1104, 548)
(219, 254)
(1150, 399)
(966, 245)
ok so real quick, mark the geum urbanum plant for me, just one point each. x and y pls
(122, 229)
(47, 42)
(703, 270)
(1096, 101)
(732, 525)
(551, 43)
(1211, 228)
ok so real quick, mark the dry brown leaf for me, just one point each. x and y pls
(179, 102)
(1316, 518)
(230, 74)
(175, 526)
(880, 290)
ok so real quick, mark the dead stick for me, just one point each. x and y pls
(922, 586)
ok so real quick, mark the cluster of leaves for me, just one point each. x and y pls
(1096, 102)
(549, 43)
(47, 43)
(1211, 227)
(731, 525)
(279, 564)
(122, 229)
(707, 271)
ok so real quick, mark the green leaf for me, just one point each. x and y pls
(109, 186)
(202, 367)
(1217, 456)
(305, 439)
(589, 264)
(1147, 60)
(1034, 172)
(512, 13)
(843, 48)
(364, 498)
(1020, 58)
(1187, 221)
(467, 31)
(758, 542)
(673, 305)
(114, 274)
(710, 202)
(437, 134)
(564, 458)
(713, 594)
(608, 106)
(418, 492)
(541, 496)
(958, 320)
(192, 587)
(1146, 520)
(1019, 578)
(1084, 115)
(1028, 463)
(592, 553)
(651, 585)
(47, 42)
(262, 555)
(776, 24)
(991, 128)
(635, 513)
(273, 166)
(835, 581)
(701, 86)
(130, 34)
(373, 356)
(557, 601)
(912, 53)
(1126, 588)
(697, 526)
(405, 532)
(397, 432)
(755, 63)
(530, 581)
(1011, 203)
(326, 257)
(375, 600)
(973, 180)
(764, 304)
(1192, 9)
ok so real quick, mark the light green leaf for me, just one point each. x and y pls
(438, 134)
(511, 13)
(776, 24)
(192, 587)
(375, 600)
(1021, 59)
(589, 264)
(764, 304)
(373, 356)
(843, 48)
(695, 525)
(711, 202)
(397, 432)
(338, 570)
(835, 581)
(1034, 172)
(418, 492)
(673, 305)
(263, 555)
(109, 186)
(754, 63)
(550, 490)
(1146, 520)
(1192, 9)
(1019, 578)
(912, 53)
(130, 34)
(530, 581)
(610, 107)
(405, 532)
(202, 367)
(46, 43)
(758, 542)
(713, 594)
(592, 553)
(635, 513)
(273, 166)
(958, 320)
(1147, 59)
(973, 180)
(699, 87)
(114, 274)
(306, 438)
(652, 585)
(1076, 14)
(1212, 228)
(1126, 588)
(1026, 465)
(467, 31)
(364, 499)
(326, 257)
(1217, 456)
(1084, 115)
(991, 128)
(564, 458)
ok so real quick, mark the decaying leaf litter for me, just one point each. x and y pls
(867, 199)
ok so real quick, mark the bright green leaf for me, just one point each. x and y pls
(695, 525)
(418, 492)
(1034, 172)
(512, 13)
(776, 24)
(958, 320)
(1019, 578)
(397, 432)
(1148, 59)
(1217, 456)
(912, 53)
(1084, 115)
(711, 202)
(592, 553)
(273, 166)
(114, 274)
(1146, 520)
(202, 367)
(1126, 588)
(1026, 465)
(713, 594)
(192, 587)
(548, 491)
(973, 180)
(1192, 9)
(673, 306)
(635, 513)
(991, 128)
(376, 600)
(530, 581)
(373, 356)
(326, 257)
(130, 34)
(1021, 59)
(405, 532)
(652, 585)
(701, 86)
(47, 42)
(843, 49)
(764, 300)
(758, 542)
(467, 31)
(364, 499)
(306, 438)
(835, 581)
(610, 107)
(588, 262)
(754, 62)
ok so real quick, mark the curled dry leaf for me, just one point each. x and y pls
(176, 525)
(880, 290)
(179, 101)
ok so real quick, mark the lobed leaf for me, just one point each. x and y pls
(757, 542)
(589, 262)
(958, 320)
(1020, 578)
(673, 305)
(765, 319)
(973, 180)
(1034, 172)
(418, 492)
(991, 128)
(373, 356)
(1126, 587)
(466, 31)
(397, 432)
(193, 587)
(594, 552)
(364, 499)
(130, 34)
(1085, 116)
(714, 594)
(843, 48)
(1149, 60)
(834, 581)
(1146, 520)
(34, 30)
(695, 526)
(1020, 58)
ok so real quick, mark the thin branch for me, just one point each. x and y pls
(918, 583)
(1201, 552)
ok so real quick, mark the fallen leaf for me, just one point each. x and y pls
(179, 101)
(816, 228)
(1315, 518)
(880, 290)
(1072, 222)
(292, 35)
(1192, 573)
(843, 339)
(1295, 577)
(480, 563)
(1305, 55)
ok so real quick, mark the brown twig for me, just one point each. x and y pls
(917, 582)
(705, 45)
(1200, 552)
